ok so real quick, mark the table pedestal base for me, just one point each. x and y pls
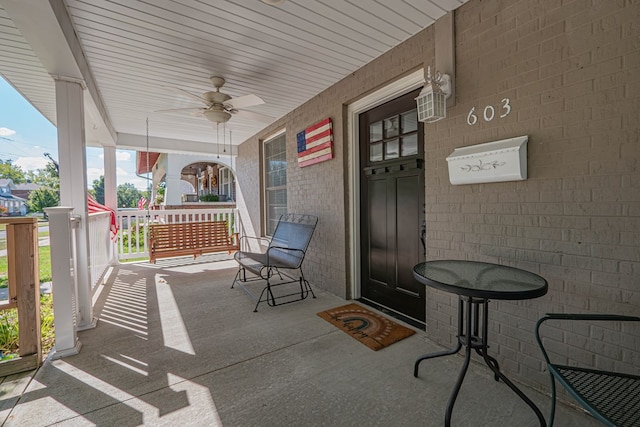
(472, 334)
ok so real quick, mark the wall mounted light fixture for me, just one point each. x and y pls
(432, 100)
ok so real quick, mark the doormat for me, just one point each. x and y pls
(371, 329)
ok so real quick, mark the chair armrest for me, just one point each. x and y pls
(587, 316)
(577, 317)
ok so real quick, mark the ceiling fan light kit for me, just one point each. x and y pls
(217, 116)
(273, 2)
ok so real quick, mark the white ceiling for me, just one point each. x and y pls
(132, 54)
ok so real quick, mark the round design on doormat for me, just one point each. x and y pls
(362, 321)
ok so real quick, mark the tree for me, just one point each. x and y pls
(98, 189)
(43, 198)
(9, 171)
(47, 177)
(128, 195)
(48, 194)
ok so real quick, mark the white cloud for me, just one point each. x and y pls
(93, 174)
(124, 156)
(31, 163)
(7, 132)
(121, 172)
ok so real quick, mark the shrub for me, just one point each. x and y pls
(209, 198)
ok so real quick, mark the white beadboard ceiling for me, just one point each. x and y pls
(138, 52)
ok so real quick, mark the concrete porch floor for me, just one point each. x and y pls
(175, 345)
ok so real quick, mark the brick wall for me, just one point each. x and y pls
(571, 72)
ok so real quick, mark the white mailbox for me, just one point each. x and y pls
(504, 160)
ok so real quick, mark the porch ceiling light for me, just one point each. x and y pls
(217, 116)
(432, 100)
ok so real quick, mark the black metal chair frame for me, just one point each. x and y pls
(284, 251)
(612, 398)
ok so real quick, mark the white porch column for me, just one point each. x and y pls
(110, 182)
(73, 184)
(172, 194)
(110, 190)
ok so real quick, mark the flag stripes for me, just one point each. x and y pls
(315, 143)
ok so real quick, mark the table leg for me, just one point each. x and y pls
(467, 358)
(492, 363)
(454, 350)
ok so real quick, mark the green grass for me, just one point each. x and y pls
(44, 264)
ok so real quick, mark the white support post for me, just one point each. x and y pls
(67, 343)
(110, 189)
(73, 184)
(172, 192)
(110, 182)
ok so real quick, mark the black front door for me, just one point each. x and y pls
(392, 206)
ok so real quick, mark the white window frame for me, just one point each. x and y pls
(267, 190)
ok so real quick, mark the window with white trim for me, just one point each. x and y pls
(275, 182)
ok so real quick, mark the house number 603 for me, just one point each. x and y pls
(489, 112)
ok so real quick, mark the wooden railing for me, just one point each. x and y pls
(24, 292)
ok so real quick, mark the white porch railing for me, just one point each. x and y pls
(133, 226)
(101, 247)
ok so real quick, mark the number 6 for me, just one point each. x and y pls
(472, 119)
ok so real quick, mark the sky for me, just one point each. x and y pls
(25, 135)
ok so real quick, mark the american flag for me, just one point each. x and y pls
(315, 143)
(93, 207)
(141, 203)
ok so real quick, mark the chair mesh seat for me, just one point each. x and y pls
(615, 396)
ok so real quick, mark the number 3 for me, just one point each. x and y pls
(506, 106)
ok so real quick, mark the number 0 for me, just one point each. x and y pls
(489, 117)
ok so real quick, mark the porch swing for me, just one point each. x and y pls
(188, 238)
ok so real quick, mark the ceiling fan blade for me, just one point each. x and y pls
(244, 101)
(189, 94)
(250, 115)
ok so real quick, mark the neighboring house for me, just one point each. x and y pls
(23, 190)
(187, 177)
(13, 204)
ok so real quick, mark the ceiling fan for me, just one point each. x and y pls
(220, 107)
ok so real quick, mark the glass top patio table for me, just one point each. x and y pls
(480, 279)
(476, 283)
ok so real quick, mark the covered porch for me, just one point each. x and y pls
(174, 344)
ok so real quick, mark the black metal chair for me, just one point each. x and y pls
(612, 398)
(284, 251)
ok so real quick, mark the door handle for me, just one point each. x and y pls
(423, 236)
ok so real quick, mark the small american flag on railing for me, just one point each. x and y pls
(315, 143)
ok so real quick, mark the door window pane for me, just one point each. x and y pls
(409, 121)
(391, 127)
(375, 152)
(410, 145)
(375, 131)
(392, 149)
